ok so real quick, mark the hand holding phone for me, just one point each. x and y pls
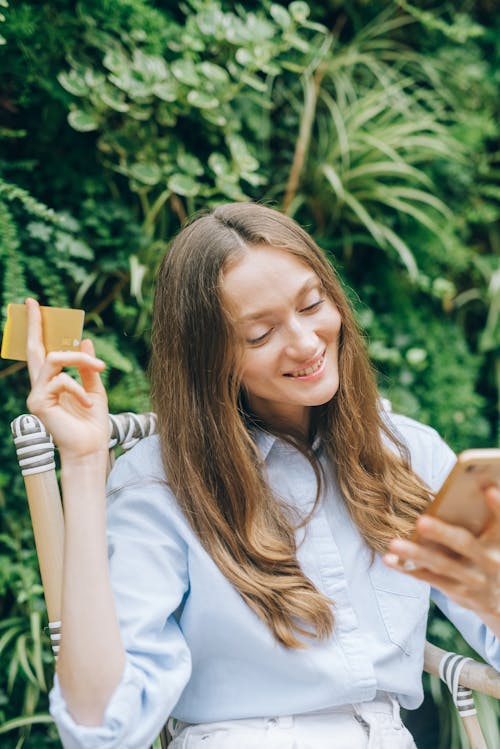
(456, 546)
(461, 500)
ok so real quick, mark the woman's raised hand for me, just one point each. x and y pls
(75, 414)
(464, 567)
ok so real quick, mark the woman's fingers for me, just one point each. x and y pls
(459, 540)
(415, 558)
(35, 350)
(90, 375)
(492, 494)
(87, 346)
(55, 361)
(42, 392)
(61, 383)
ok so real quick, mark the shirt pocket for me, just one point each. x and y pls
(403, 603)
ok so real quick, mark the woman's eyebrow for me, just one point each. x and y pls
(310, 283)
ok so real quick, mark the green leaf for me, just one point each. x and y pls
(185, 72)
(230, 189)
(151, 67)
(73, 83)
(37, 657)
(404, 252)
(165, 90)
(137, 274)
(107, 349)
(11, 725)
(24, 661)
(254, 179)
(73, 247)
(334, 180)
(256, 83)
(299, 10)
(183, 184)
(190, 164)
(166, 116)
(242, 157)
(386, 169)
(219, 164)
(296, 41)
(214, 73)
(280, 15)
(215, 117)
(364, 217)
(146, 173)
(40, 231)
(82, 121)
(114, 60)
(9, 635)
(244, 56)
(113, 101)
(202, 99)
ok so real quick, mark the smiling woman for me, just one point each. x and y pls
(290, 333)
(246, 593)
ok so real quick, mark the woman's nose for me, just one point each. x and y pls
(302, 341)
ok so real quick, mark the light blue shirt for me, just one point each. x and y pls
(197, 652)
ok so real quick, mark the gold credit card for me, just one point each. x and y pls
(61, 327)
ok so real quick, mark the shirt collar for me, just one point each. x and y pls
(265, 441)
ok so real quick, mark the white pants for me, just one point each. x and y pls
(369, 725)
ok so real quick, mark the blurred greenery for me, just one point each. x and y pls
(374, 123)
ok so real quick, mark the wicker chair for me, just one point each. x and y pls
(35, 451)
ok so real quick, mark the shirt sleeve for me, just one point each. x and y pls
(149, 575)
(472, 629)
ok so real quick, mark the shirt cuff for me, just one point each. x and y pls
(120, 715)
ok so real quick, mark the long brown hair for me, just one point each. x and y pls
(210, 458)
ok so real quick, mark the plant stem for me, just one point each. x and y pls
(12, 369)
(311, 86)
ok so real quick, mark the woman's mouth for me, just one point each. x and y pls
(308, 371)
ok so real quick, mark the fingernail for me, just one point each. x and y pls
(424, 523)
(409, 565)
(398, 544)
(392, 559)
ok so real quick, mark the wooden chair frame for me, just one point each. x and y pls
(35, 450)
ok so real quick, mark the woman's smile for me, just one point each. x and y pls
(312, 371)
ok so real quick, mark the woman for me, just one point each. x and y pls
(246, 593)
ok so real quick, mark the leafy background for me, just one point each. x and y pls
(374, 124)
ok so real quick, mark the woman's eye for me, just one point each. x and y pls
(259, 339)
(313, 306)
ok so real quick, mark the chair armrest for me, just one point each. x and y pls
(474, 675)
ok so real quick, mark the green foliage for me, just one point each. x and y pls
(28, 663)
(184, 114)
(375, 124)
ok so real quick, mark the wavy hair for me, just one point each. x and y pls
(210, 458)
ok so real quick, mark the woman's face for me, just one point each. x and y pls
(290, 333)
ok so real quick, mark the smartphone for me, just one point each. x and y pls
(460, 501)
(61, 329)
